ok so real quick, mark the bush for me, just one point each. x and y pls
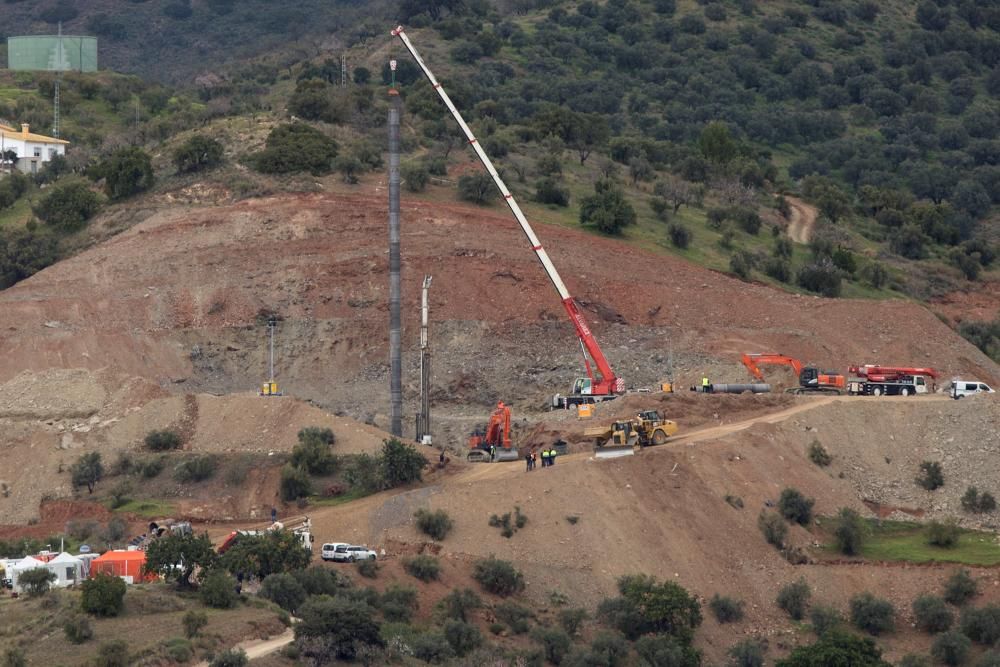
(193, 621)
(779, 269)
(152, 467)
(824, 619)
(458, 603)
(648, 606)
(196, 469)
(819, 455)
(399, 464)
(515, 617)
(126, 172)
(436, 524)
(554, 641)
(913, 660)
(741, 264)
(930, 477)
(179, 650)
(497, 576)
(657, 650)
(368, 568)
(431, 647)
(296, 147)
(726, 609)
(821, 276)
(68, 207)
(960, 588)
(989, 659)
(104, 595)
(871, 614)
(294, 483)
(198, 153)
(973, 501)
(35, 582)
(849, 532)
(982, 625)
(415, 177)
(336, 628)
(231, 657)
(425, 568)
(463, 637)
(951, 648)
(283, 590)
(161, 441)
(944, 535)
(548, 191)
(477, 187)
(113, 654)
(836, 648)
(931, 614)
(795, 507)
(312, 452)
(398, 603)
(218, 590)
(608, 649)
(680, 235)
(78, 629)
(748, 220)
(773, 527)
(572, 619)
(793, 599)
(318, 580)
(747, 653)
(607, 209)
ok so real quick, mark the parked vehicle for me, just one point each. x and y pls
(874, 380)
(960, 388)
(355, 553)
(330, 549)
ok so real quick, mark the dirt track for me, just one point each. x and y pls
(801, 220)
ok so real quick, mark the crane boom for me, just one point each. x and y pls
(607, 383)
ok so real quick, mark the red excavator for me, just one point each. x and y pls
(875, 380)
(496, 434)
(810, 379)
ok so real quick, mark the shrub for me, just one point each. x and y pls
(973, 501)
(747, 653)
(318, 580)
(989, 659)
(555, 643)
(161, 441)
(960, 588)
(666, 650)
(931, 614)
(930, 477)
(793, 599)
(982, 625)
(951, 648)
(548, 191)
(152, 467)
(231, 657)
(119, 493)
(196, 469)
(126, 172)
(35, 582)
(283, 590)
(608, 649)
(399, 464)
(179, 650)
(68, 207)
(398, 603)
(424, 568)
(607, 209)
(944, 535)
(726, 609)
(819, 455)
(463, 637)
(773, 527)
(296, 147)
(87, 471)
(368, 568)
(913, 660)
(294, 483)
(104, 595)
(572, 619)
(197, 153)
(871, 614)
(193, 621)
(849, 532)
(680, 235)
(795, 507)
(113, 654)
(78, 629)
(312, 451)
(741, 264)
(415, 177)
(436, 524)
(459, 603)
(431, 647)
(218, 590)
(836, 648)
(477, 187)
(824, 619)
(497, 576)
(748, 220)
(516, 617)
(336, 628)
(821, 277)
(647, 606)
(779, 269)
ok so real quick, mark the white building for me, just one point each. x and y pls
(33, 150)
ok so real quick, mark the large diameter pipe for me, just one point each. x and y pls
(395, 337)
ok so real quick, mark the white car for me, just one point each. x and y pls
(329, 551)
(960, 388)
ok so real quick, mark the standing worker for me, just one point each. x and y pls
(493, 453)
(552, 456)
(527, 461)
(545, 458)
(706, 386)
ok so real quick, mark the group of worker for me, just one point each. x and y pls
(548, 457)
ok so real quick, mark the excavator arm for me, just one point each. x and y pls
(603, 378)
(753, 362)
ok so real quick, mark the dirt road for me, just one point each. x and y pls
(801, 220)
(258, 648)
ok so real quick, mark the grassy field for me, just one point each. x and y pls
(147, 509)
(907, 542)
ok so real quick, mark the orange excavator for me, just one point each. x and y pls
(495, 435)
(810, 379)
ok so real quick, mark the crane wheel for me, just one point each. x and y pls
(877, 391)
(905, 391)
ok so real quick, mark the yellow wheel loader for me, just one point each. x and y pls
(621, 437)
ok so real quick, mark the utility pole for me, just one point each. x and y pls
(424, 416)
(343, 70)
(395, 343)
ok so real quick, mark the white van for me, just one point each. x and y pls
(960, 388)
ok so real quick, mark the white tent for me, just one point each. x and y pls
(67, 568)
(23, 565)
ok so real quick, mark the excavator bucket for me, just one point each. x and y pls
(507, 454)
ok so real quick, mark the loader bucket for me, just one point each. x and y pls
(614, 452)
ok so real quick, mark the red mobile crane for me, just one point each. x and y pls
(601, 383)
(875, 380)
